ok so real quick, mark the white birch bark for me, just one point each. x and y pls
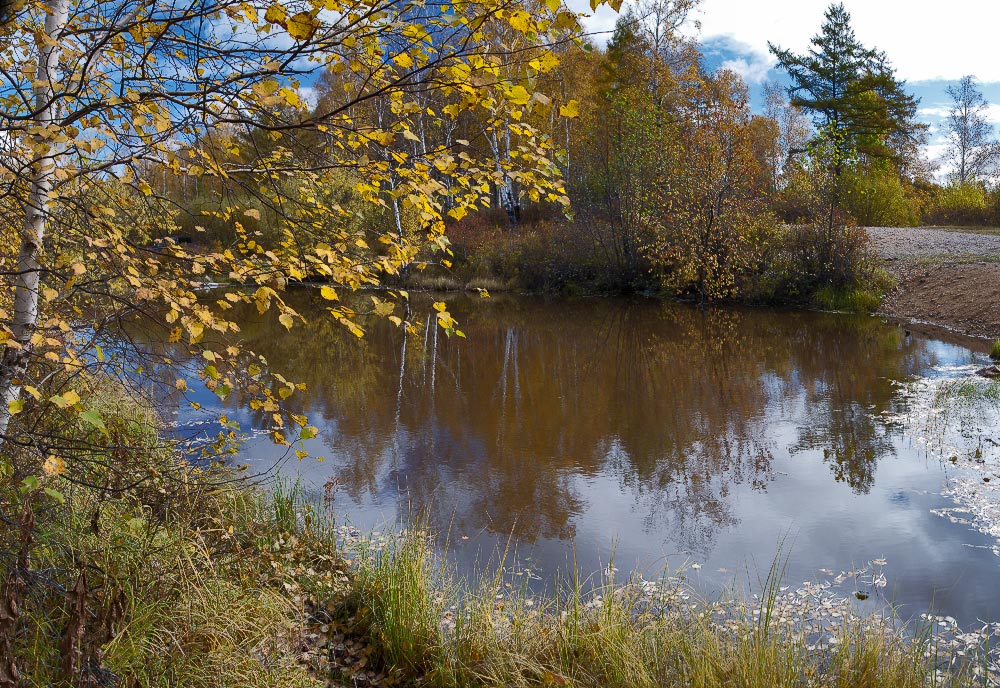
(36, 212)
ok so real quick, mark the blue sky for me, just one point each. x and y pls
(931, 44)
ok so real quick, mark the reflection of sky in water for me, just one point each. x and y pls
(664, 433)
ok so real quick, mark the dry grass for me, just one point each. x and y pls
(439, 631)
(450, 283)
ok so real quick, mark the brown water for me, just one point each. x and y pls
(659, 432)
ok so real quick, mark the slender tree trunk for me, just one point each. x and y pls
(36, 210)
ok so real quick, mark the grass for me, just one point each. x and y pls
(439, 631)
(451, 283)
(995, 351)
(147, 571)
(187, 597)
(851, 300)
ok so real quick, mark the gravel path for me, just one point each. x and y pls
(909, 243)
(945, 278)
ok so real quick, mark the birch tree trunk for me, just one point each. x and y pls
(36, 211)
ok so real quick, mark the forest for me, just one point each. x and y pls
(674, 183)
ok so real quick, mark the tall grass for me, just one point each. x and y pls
(438, 630)
(148, 571)
(995, 352)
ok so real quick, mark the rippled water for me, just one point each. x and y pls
(659, 432)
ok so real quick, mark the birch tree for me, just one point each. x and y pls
(972, 150)
(94, 94)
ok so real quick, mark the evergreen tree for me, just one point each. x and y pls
(851, 90)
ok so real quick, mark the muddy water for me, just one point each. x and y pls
(659, 434)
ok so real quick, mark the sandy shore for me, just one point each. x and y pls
(946, 278)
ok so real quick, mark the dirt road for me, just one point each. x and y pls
(946, 278)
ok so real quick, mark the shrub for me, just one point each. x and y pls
(960, 204)
(878, 198)
(829, 267)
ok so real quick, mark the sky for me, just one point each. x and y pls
(931, 44)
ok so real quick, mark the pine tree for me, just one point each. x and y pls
(852, 91)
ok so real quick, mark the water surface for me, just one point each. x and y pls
(662, 433)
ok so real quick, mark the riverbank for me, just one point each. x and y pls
(945, 278)
(238, 586)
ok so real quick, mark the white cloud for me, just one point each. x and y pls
(940, 111)
(309, 95)
(922, 39)
(936, 111)
(752, 71)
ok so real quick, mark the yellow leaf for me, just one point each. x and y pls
(403, 60)
(544, 63)
(302, 26)
(266, 88)
(145, 188)
(291, 97)
(286, 320)
(328, 293)
(275, 14)
(571, 109)
(15, 406)
(253, 213)
(518, 95)
(54, 465)
(65, 400)
(520, 21)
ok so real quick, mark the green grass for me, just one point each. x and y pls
(995, 352)
(851, 300)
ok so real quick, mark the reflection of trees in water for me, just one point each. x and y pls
(844, 401)
(676, 404)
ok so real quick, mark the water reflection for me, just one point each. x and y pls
(661, 430)
(678, 405)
